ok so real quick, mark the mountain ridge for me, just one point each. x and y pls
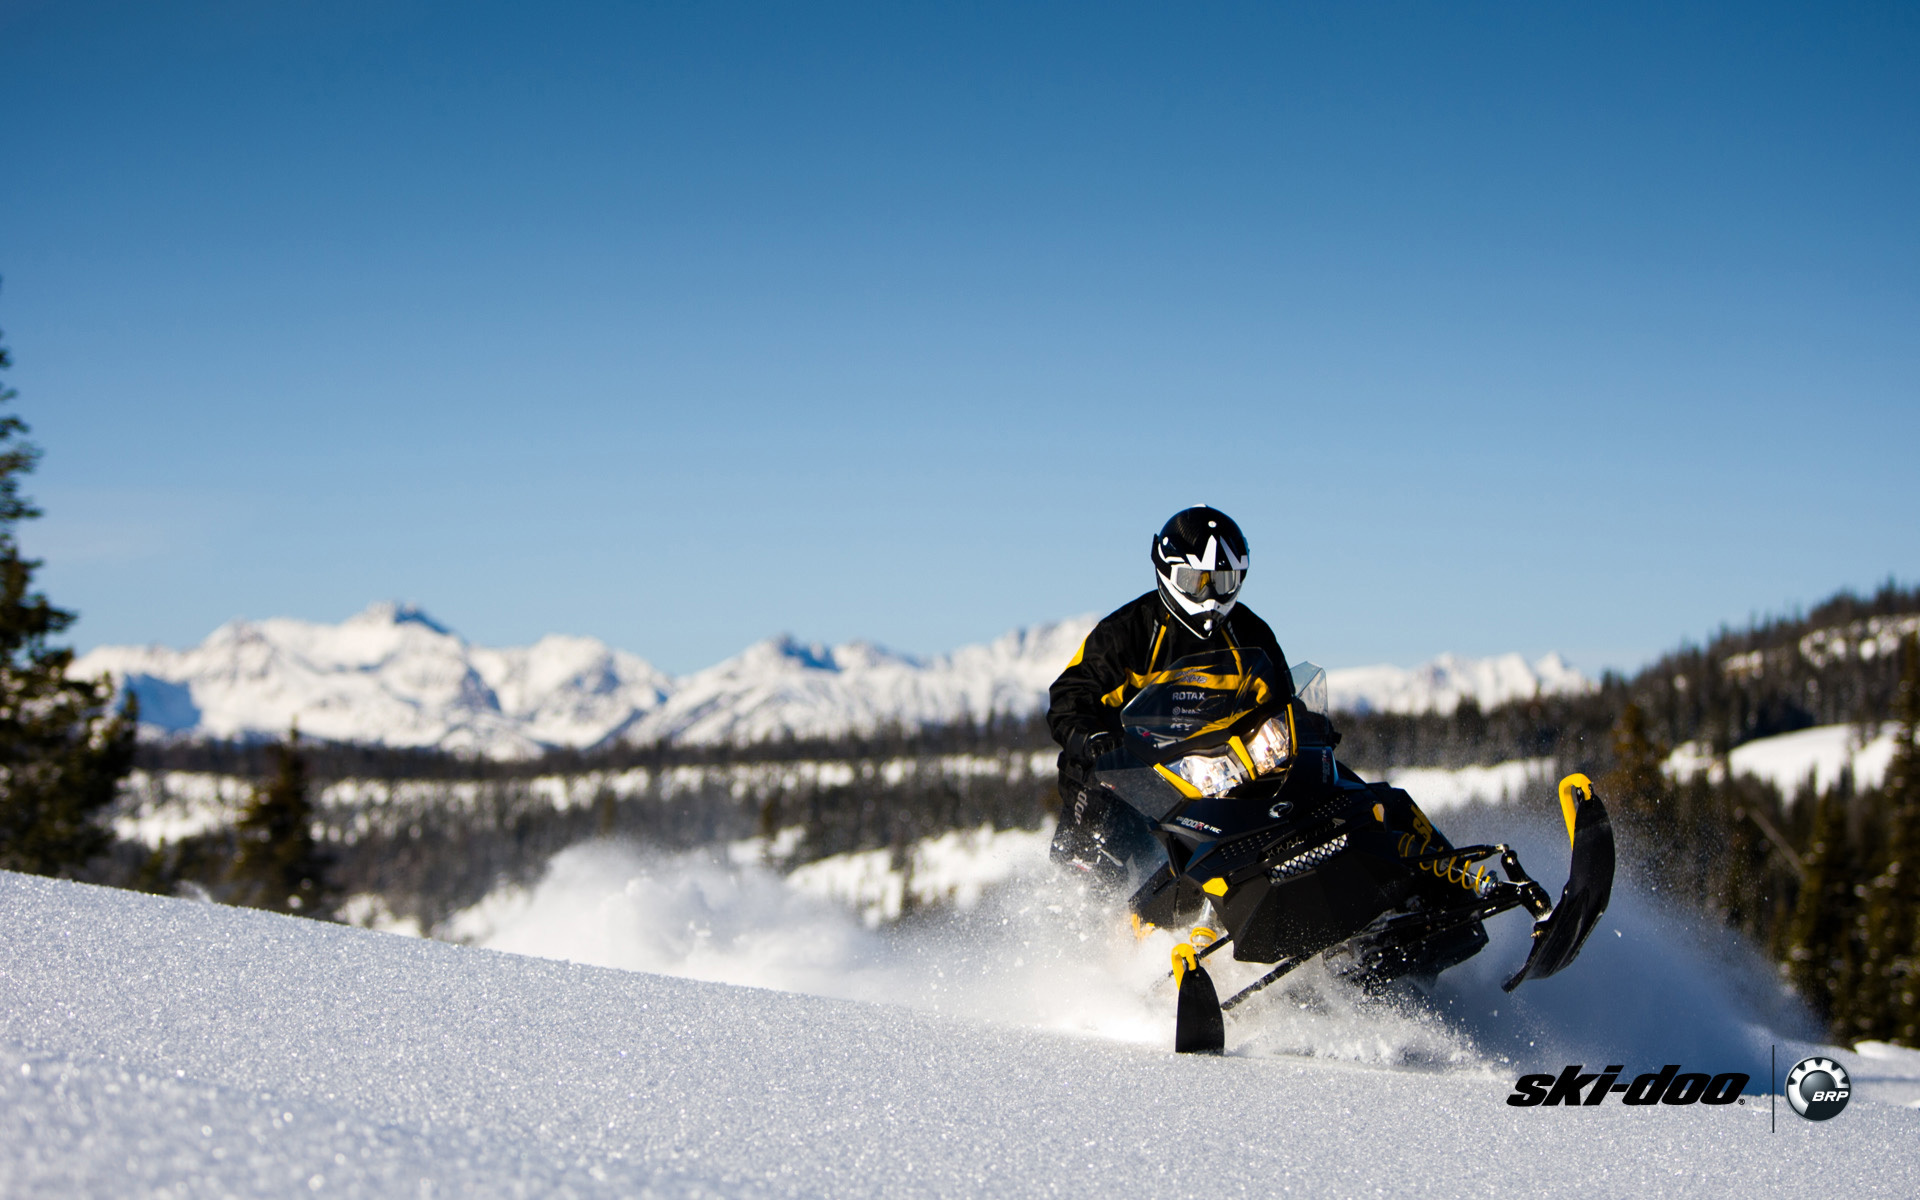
(392, 675)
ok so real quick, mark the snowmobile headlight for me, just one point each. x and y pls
(1271, 746)
(1211, 774)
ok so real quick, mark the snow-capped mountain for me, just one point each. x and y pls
(1440, 686)
(393, 676)
(780, 688)
(388, 676)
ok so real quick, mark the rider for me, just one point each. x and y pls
(1200, 559)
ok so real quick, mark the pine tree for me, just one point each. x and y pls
(1877, 932)
(1820, 959)
(62, 751)
(1902, 791)
(1637, 784)
(279, 865)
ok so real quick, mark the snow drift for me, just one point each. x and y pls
(165, 1047)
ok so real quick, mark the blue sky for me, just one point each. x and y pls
(1497, 326)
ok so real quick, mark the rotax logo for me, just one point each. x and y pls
(1668, 1085)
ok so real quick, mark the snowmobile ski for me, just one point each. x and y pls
(1558, 936)
(1198, 1025)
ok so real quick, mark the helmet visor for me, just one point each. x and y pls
(1206, 585)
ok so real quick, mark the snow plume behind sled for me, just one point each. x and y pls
(995, 933)
(1026, 948)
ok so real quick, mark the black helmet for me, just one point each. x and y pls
(1200, 558)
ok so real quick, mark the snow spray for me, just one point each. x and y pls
(1007, 938)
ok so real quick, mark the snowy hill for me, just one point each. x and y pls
(393, 676)
(155, 1047)
(1789, 760)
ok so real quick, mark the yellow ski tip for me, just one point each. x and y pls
(1573, 789)
(1184, 960)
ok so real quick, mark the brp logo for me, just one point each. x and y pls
(1818, 1088)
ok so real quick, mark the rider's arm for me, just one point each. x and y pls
(1075, 712)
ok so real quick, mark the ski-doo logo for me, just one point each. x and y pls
(1665, 1086)
(1818, 1088)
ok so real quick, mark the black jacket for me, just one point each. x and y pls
(1128, 645)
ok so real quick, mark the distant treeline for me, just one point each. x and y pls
(430, 843)
(1742, 685)
(252, 758)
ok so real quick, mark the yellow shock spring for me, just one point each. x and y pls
(1449, 870)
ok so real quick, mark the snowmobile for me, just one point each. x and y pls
(1244, 807)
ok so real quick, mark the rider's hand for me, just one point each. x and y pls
(1099, 743)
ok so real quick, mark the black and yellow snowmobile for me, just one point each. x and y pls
(1233, 776)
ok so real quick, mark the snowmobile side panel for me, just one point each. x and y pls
(1304, 913)
(1372, 959)
(1142, 789)
(1167, 900)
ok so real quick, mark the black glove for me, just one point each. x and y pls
(1094, 745)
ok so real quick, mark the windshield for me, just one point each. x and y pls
(1197, 701)
(1310, 684)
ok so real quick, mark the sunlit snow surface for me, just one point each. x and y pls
(1016, 1046)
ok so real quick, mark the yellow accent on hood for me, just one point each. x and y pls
(1246, 760)
(1186, 789)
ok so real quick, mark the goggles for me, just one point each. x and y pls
(1197, 584)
